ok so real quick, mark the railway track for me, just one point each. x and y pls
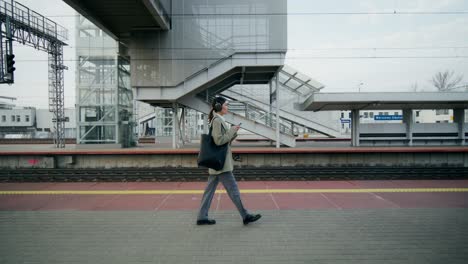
(200, 174)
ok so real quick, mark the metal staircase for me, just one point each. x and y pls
(256, 108)
(295, 87)
(290, 115)
(238, 68)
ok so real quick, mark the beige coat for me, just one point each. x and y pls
(223, 134)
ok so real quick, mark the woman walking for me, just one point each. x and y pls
(222, 134)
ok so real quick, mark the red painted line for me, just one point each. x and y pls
(244, 151)
(266, 201)
(297, 139)
(251, 201)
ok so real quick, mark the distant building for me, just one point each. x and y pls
(44, 122)
(29, 122)
(433, 116)
(17, 120)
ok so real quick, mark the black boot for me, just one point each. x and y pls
(251, 218)
(206, 222)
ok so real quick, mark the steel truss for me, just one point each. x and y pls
(19, 23)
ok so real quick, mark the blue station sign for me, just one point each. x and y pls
(345, 121)
(388, 117)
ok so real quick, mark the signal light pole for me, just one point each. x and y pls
(10, 61)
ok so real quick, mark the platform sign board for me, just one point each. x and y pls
(388, 117)
(65, 119)
(345, 121)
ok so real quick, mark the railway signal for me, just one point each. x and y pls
(10, 62)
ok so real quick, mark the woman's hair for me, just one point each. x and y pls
(215, 107)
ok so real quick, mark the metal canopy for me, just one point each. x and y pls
(119, 17)
(297, 82)
(385, 101)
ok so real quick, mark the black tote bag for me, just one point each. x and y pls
(211, 155)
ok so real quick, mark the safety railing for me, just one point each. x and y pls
(253, 113)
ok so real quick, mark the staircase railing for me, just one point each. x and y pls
(252, 103)
(256, 114)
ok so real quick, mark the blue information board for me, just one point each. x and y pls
(388, 117)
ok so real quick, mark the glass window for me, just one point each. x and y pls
(371, 114)
(104, 133)
(442, 112)
(342, 115)
(3, 118)
(18, 118)
(417, 113)
(27, 118)
(366, 114)
(396, 113)
(349, 115)
(13, 119)
(167, 131)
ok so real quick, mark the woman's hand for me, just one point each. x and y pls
(236, 128)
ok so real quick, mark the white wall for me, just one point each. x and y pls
(17, 117)
(44, 119)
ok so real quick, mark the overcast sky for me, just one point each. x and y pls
(351, 35)
(332, 46)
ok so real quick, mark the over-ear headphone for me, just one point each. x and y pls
(217, 103)
(217, 107)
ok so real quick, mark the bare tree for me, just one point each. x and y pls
(445, 81)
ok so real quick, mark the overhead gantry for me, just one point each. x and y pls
(23, 25)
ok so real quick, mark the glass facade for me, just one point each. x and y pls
(104, 96)
(192, 120)
(203, 32)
